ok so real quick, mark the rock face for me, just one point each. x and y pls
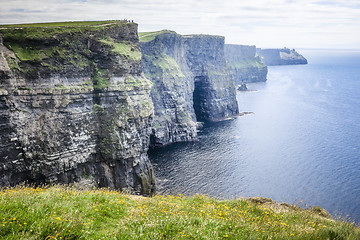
(215, 92)
(284, 56)
(246, 64)
(75, 106)
(164, 63)
(191, 82)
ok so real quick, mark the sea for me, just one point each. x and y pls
(299, 142)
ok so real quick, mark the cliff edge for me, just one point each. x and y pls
(246, 64)
(283, 56)
(191, 82)
(75, 106)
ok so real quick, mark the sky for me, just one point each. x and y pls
(264, 23)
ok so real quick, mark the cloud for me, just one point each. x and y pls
(22, 10)
(269, 23)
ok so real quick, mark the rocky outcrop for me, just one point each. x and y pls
(75, 107)
(284, 56)
(191, 82)
(246, 64)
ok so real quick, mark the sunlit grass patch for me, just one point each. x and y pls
(66, 213)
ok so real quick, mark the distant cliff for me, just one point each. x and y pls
(74, 106)
(282, 56)
(246, 64)
(191, 82)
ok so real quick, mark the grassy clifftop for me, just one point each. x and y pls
(61, 24)
(148, 36)
(70, 49)
(248, 63)
(39, 31)
(66, 213)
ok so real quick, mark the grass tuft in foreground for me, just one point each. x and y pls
(67, 213)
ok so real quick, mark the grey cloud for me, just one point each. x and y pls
(22, 10)
(251, 20)
(336, 3)
(256, 9)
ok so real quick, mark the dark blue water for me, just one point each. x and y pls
(301, 145)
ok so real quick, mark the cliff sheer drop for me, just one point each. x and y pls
(247, 66)
(75, 106)
(192, 82)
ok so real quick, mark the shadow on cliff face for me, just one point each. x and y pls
(200, 96)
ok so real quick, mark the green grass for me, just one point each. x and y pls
(66, 213)
(168, 65)
(148, 36)
(27, 52)
(60, 24)
(202, 36)
(124, 48)
(11, 62)
(39, 43)
(42, 31)
(99, 77)
(246, 63)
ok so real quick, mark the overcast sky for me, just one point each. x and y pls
(265, 23)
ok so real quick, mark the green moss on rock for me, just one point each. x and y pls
(249, 62)
(127, 49)
(65, 47)
(168, 65)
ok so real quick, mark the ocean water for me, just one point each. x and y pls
(300, 145)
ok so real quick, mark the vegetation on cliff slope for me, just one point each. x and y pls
(249, 63)
(67, 48)
(148, 36)
(123, 48)
(166, 67)
(61, 24)
(67, 213)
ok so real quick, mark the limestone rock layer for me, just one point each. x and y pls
(191, 82)
(247, 66)
(75, 107)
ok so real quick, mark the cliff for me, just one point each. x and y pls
(75, 106)
(283, 56)
(214, 87)
(165, 65)
(191, 82)
(246, 64)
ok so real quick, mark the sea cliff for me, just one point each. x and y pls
(282, 56)
(247, 66)
(75, 106)
(191, 82)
